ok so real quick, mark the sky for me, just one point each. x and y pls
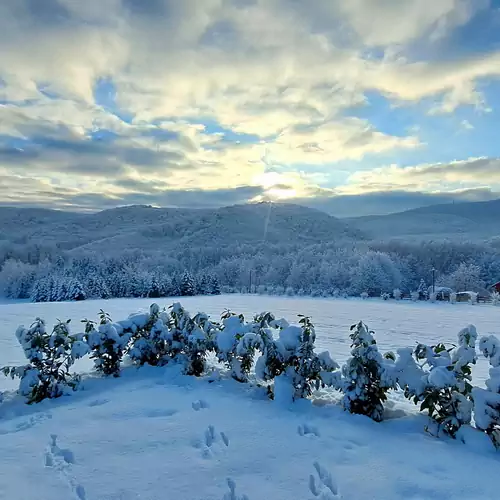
(356, 107)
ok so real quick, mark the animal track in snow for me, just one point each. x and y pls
(307, 430)
(213, 442)
(98, 402)
(325, 488)
(61, 460)
(158, 413)
(200, 404)
(231, 495)
(27, 424)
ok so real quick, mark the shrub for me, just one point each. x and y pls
(364, 386)
(236, 345)
(107, 342)
(487, 401)
(447, 392)
(149, 334)
(50, 356)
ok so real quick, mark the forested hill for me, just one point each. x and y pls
(455, 221)
(144, 227)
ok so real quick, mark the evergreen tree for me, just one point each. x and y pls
(41, 291)
(213, 285)
(154, 289)
(75, 291)
(202, 284)
(187, 286)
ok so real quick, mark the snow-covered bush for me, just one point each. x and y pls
(414, 296)
(364, 295)
(50, 357)
(487, 401)
(453, 298)
(107, 342)
(472, 298)
(236, 345)
(291, 360)
(447, 392)
(289, 291)
(495, 298)
(199, 334)
(385, 296)
(365, 386)
(148, 334)
(397, 293)
(188, 341)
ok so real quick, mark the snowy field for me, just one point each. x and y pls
(155, 434)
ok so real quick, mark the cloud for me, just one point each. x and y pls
(441, 177)
(203, 92)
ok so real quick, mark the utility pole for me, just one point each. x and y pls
(433, 279)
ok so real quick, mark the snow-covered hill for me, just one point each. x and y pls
(154, 228)
(460, 221)
(156, 434)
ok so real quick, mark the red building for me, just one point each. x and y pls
(495, 287)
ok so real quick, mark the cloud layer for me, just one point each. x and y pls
(204, 103)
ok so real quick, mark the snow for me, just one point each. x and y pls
(155, 433)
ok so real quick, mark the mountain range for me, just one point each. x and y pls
(141, 226)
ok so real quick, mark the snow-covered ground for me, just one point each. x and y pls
(155, 434)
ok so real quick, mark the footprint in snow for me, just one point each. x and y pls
(200, 404)
(323, 485)
(213, 443)
(27, 424)
(231, 495)
(62, 460)
(307, 430)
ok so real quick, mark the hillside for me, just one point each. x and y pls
(458, 221)
(156, 228)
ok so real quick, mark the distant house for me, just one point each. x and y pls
(495, 287)
(442, 292)
(466, 297)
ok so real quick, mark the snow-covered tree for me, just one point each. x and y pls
(487, 401)
(466, 277)
(41, 290)
(422, 290)
(75, 290)
(96, 287)
(154, 291)
(375, 274)
(365, 387)
(213, 285)
(187, 285)
(50, 357)
(397, 294)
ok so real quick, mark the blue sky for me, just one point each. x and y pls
(366, 106)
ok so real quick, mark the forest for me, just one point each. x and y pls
(346, 268)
